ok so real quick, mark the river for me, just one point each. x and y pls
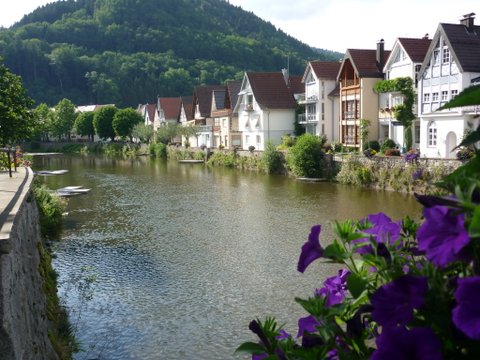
(172, 261)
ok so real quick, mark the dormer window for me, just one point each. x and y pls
(249, 104)
(436, 57)
(446, 55)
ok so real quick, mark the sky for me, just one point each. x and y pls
(329, 24)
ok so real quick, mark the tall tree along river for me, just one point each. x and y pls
(172, 261)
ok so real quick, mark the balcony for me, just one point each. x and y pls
(307, 119)
(205, 128)
(310, 99)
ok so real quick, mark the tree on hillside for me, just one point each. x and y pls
(84, 124)
(102, 122)
(124, 121)
(63, 119)
(16, 120)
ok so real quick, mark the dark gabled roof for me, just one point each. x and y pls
(295, 84)
(233, 88)
(270, 90)
(335, 92)
(202, 95)
(151, 109)
(416, 48)
(170, 107)
(219, 99)
(326, 69)
(187, 106)
(365, 63)
(464, 45)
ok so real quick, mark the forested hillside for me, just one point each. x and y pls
(129, 51)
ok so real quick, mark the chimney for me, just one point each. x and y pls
(286, 76)
(468, 22)
(380, 55)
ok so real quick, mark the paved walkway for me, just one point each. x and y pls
(12, 189)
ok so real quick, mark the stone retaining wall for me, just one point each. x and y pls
(23, 317)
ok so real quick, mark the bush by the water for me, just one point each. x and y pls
(306, 157)
(272, 160)
(51, 208)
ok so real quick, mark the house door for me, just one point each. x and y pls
(451, 143)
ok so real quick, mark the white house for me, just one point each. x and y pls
(321, 110)
(405, 60)
(452, 64)
(266, 109)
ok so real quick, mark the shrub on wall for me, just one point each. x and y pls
(388, 144)
(51, 208)
(306, 157)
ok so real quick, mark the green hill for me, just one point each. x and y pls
(129, 51)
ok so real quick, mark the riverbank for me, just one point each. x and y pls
(31, 318)
(390, 173)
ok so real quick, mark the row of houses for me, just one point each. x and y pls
(334, 98)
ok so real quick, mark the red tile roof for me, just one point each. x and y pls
(270, 90)
(295, 85)
(170, 107)
(415, 48)
(202, 95)
(326, 69)
(365, 63)
(151, 109)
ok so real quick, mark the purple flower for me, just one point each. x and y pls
(334, 288)
(259, 356)
(283, 335)
(400, 344)
(311, 250)
(417, 174)
(466, 315)
(394, 302)
(411, 156)
(308, 324)
(442, 235)
(383, 230)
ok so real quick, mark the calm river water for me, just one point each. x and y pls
(183, 256)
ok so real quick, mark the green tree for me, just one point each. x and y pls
(188, 132)
(124, 121)
(272, 159)
(63, 118)
(43, 121)
(102, 122)
(306, 157)
(84, 124)
(16, 120)
(167, 132)
(142, 132)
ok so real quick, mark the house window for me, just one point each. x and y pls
(436, 57)
(432, 134)
(259, 139)
(323, 111)
(435, 96)
(417, 70)
(444, 95)
(247, 140)
(453, 93)
(446, 55)
(417, 134)
(426, 97)
(323, 89)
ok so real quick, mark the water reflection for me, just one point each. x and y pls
(186, 256)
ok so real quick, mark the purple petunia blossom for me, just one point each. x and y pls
(259, 356)
(400, 344)
(442, 235)
(383, 230)
(466, 315)
(394, 302)
(311, 250)
(308, 324)
(335, 288)
(283, 335)
(417, 174)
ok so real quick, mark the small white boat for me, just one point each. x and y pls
(51, 172)
(72, 190)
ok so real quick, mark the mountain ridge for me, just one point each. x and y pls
(129, 51)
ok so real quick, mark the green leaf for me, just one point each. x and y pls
(250, 348)
(474, 228)
(356, 285)
(335, 251)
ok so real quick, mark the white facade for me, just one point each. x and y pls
(442, 80)
(259, 126)
(321, 112)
